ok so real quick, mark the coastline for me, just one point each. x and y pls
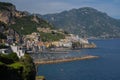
(65, 60)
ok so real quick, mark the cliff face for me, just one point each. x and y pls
(22, 22)
(4, 18)
(8, 12)
(14, 23)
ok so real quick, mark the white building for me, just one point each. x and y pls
(83, 41)
(67, 44)
(20, 52)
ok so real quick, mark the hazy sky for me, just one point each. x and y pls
(111, 7)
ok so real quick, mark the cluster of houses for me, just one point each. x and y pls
(32, 43)
(8, 43)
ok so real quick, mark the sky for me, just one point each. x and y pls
(111, 7)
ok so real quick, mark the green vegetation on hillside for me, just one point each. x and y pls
(51, 36)
(25, 25)
(5, 5)
(86, 22)
(12, 68)
(29, 71)
(9, 58)
(16, 65)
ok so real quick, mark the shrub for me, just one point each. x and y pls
(4, 59)
(51, 36)
(29, 71)
(13, 56)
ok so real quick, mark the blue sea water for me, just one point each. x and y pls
(107, 67)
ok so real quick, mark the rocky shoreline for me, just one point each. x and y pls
(37, 62)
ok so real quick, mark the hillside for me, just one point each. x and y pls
(28, 24)
(12, 68)
(87, 22)
(21, 21)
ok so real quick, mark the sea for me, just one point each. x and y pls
(106, 67)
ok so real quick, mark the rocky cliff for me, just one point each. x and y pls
(14, 23)
(8, 13)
